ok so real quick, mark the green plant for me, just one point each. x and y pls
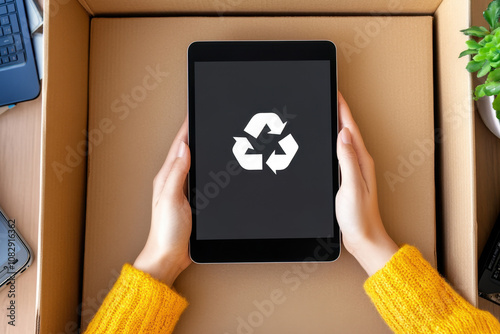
(486, 54)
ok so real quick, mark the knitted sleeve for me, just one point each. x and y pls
(138, 303)
(412, 297)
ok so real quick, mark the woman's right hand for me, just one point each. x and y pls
(363, 232)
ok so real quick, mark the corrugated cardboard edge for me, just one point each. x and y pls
(268, 7)
(457, 172)
(64, 122)
(86, 6)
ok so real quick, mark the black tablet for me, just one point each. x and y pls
(262, 133)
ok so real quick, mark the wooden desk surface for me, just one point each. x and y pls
(20, 138)
(20, 143)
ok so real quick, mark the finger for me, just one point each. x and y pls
(348, 161)
(346, 120)
(174, 186)
(162, 175)
(364, 158)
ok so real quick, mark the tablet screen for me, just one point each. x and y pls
(262, 131)
(293, 202)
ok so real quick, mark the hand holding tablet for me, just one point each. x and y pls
(271, 168)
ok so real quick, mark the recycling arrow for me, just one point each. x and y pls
(281, 161)
(260, 120)
(246, 161)
(254, 127)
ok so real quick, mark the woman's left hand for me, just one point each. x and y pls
(165, 254)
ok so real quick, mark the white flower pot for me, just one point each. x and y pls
(488, 114)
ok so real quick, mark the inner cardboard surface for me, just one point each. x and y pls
(385, 74)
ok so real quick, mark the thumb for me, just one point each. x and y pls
(348, 160)
(174, 186)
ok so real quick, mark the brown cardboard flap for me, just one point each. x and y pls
(64, 122)
(455, 136)
(282, 7)
(385, 73)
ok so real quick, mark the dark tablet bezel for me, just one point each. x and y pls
(261, 250)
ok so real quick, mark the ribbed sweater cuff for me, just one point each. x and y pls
(138, 303)
(412, 297)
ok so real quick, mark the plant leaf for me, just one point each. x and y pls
(483, 51)
(467, 52)
(475, 31)
(484, 70)
(474, 66)
(492, 14)
(480, 57)
(494, 75)
(472, 44)
(492, 88)
(496, 105)
(479, 92)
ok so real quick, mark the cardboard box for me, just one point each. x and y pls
(398, 69)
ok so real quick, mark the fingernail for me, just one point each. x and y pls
(346, 136)
(182, 149)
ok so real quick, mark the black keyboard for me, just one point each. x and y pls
(11, 41)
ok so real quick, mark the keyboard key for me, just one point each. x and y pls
(11, 8)
(496, 275)
(20, 56)
(6, 41)
(13, 58)
(18, 42)
(7, 30)
(4, 52)
(4, 20)
(2, 2)
(19, 45)
(12, 49)
(5, 60)
(3, 10)
(14, 23)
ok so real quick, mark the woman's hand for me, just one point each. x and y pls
(165, 254)
(357, 209)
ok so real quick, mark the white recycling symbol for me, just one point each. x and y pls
(254, 128)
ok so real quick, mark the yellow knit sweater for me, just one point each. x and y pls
(408, 293)
(138, 303)
(412, 298)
